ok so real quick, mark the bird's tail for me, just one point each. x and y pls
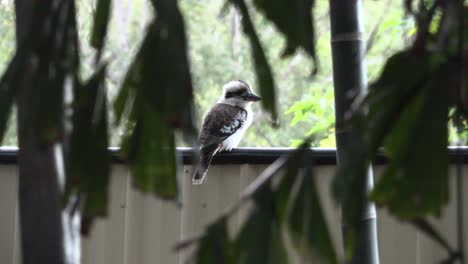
(206, 155)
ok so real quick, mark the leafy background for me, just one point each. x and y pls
(219, 52)
(406, 100)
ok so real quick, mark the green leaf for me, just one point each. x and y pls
(259, 240)
(156, 98)
(389, 95)
(411, 187)
(8, 86)
(293, 19)
(56, 54)
(166, 69)
(150, 151)
(101, 21)
(306, 221)
(262, 68)
(215, 246)
(299, 209)
(87, 157)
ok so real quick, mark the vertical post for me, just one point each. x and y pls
(45, 232)
(349, 76)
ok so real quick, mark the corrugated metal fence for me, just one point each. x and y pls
(142, 229)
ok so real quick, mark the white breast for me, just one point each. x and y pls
(233, 141)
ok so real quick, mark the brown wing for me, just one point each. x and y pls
(221, 121)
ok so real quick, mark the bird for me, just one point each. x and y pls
(225, 124)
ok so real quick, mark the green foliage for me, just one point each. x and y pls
(290, 208)
(7, 92)
(7, 48)
(294, 20)
(88, 159)
(101, 21)
(414, 93)
(155, 99)
(407, 112)
(220, 53)
(215, 246)
(262, 67)
(317, 109)
(399, 108)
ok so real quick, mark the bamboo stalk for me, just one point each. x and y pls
(349, 76)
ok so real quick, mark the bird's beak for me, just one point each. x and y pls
(252, 97)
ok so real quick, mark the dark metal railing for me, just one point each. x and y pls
(322, 156)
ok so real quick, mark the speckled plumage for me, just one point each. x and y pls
(225, 124)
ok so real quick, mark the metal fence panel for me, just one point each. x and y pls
(143, 229)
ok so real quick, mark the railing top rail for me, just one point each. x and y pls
(322, 156)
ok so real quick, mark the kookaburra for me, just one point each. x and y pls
(225, 124)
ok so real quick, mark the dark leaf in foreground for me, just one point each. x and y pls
(260, 240)
(156, 98)
(88, 160)
(290, 207)
(215, 246)
(56, 54)
(100, 26)
(306, 221)
(389, 95)
(262, 68)
(294, 19)
(150, 151)
(8, 84)
(411, 187)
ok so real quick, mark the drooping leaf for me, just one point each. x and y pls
(260, 240)
(56, 55)
(262, 68)
(306, 222)
(293, 19)
(165, 65)
(87, 156)
(150, 152)
(8, 84)
(215, 246)
(411, 187)
(389, 95)
(156, 98)
(100, 25)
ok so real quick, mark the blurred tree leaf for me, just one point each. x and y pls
(390, 93)
(215, 246)
(150, 151)
(101, 21)
(262, 68)
(290, 205)
(294, 19)
(55, 52)
(409, 187)
(306, 220)
(88, 160)
(298, 206)
(155, 98)
(263, 227)
(8, 84)
(166, 63)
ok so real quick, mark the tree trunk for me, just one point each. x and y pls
(349, 76)
(41, 219)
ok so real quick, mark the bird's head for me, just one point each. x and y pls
(238, 93)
